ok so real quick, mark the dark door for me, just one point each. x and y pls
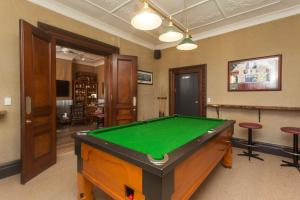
(122, 89)
(187, 94)
(38, 132)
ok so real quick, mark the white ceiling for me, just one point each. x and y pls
(205, 17)
(79, 57)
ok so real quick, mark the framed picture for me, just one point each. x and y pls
(255, 74)
(144, 77)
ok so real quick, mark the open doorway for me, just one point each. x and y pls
(79, 94)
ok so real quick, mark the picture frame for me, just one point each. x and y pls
(145, 77)
(255, 74)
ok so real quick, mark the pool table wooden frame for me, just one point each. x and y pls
(111, 167)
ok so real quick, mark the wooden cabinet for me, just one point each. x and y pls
(84, 92)
(91, 93)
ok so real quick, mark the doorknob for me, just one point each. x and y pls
(196, 102)
(134, 101)
(28, 121)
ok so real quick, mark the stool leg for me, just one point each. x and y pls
(250, 154)
(250, 142)
(296, 158)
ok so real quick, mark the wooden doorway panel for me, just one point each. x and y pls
(72, 40)
(201, 71)
(37, 47)
(123, 87)
(38, 145)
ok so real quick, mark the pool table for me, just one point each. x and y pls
(158, 159)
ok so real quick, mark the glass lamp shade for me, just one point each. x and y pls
(187, 44)
(171, 34)
(146, 19)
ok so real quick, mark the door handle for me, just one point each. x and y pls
(134, 101)
(28, 121)
(28, 105)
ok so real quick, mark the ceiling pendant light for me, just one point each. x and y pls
(171, 34)
(187, 43)
(146, 19)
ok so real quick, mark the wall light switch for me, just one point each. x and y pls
(7, 101)
(208, 100)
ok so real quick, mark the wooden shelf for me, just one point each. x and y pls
(252, 107)
(83, 90)
(2, 113)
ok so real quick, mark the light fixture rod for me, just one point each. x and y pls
(162, 14)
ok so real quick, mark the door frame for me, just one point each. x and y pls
(201, 70)
(79, 42)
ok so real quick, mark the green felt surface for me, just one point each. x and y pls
(159, 136)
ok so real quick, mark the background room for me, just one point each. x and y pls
(80, 94)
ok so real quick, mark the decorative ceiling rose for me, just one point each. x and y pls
(171, 34)
(187, 43)
(146, 19)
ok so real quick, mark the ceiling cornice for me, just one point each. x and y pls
(96, 64)
(79, 16)
(240, 25)
(71, 58)
(65, 57)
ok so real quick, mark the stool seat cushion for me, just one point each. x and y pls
(250, 125)
(291, 130)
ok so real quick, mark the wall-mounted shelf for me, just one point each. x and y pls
(2, 113)
(162, 98)
(250, 107)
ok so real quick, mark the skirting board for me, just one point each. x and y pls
(9, 169)
(268, 148)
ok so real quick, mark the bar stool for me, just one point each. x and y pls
(296, 132)
(250, 144)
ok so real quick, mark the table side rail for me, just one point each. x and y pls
(110, 173)
(193, 170)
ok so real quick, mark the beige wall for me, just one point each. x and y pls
(11, 12)
(278, 37)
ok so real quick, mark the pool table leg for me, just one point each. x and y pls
(227, 159)
(84, 188)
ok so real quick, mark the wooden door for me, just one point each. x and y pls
(122, 90)
(38, 131)
(197, 100)
(187, 94)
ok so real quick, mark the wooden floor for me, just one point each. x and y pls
(253, 180)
